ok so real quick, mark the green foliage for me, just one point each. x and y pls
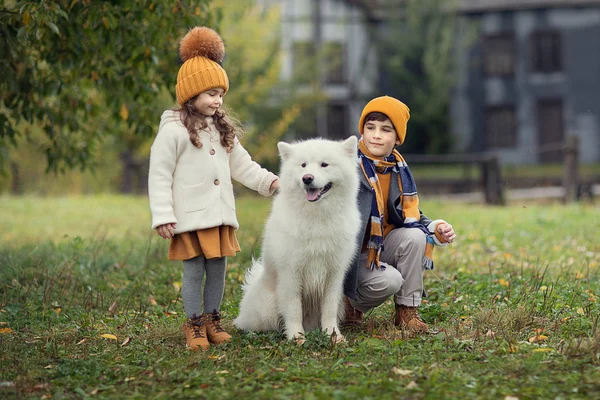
(257, 96)
(513, 306)
(74, 67)
(418, 57)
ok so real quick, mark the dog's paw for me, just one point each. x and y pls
(298, 338)
(336, 337)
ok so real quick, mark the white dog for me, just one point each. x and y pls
(309, 241)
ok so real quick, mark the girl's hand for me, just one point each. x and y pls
(447, 232)
(274, 185)
(166, 231)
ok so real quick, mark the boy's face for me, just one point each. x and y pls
(380, 137)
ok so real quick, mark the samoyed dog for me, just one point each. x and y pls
(309, 240)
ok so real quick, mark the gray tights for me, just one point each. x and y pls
(191, 287)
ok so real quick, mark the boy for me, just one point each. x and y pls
(398, 239)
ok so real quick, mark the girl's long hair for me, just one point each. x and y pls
(229, 127)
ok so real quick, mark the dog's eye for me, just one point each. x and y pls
(324, 164)
(303, 165)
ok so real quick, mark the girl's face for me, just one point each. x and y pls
(380, 137)
(207, 103)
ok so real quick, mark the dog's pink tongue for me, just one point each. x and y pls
(312, 194)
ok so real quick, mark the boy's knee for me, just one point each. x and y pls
(394, 285)
(415, 238)
(391, 282)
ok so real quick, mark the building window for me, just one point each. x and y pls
(334, 63)
(546, 54)
(337, 117)
(500, 127)
(550, 130)
(305, 125)
(304, 61)
(499, 55)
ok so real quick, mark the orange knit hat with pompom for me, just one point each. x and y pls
(202, 51)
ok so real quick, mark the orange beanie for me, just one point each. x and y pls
(202, 51)
(395, 110)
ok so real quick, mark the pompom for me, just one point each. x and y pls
(204, 42)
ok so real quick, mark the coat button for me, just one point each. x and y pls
(217, 182)
(212, 152)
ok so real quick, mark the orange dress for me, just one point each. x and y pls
(219, 241)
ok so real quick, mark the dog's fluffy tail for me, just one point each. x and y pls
(253, 274)
(258, 310)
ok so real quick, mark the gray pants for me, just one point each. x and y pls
(404, 249)
(191, 286)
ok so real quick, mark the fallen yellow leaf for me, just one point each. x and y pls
(402, 372)
(5, 331)
(126, 341)
(538, 338)
(543, 350)
(108, 336)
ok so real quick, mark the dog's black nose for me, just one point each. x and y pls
(307, 179)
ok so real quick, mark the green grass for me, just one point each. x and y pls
(513, 306)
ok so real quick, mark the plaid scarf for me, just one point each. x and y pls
(409, 202)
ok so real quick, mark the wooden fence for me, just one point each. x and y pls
(491, 173)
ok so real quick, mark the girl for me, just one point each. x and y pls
(192, 160)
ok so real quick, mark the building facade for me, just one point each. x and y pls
(330, 42)
(528, 79)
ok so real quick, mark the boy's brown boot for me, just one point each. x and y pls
(195, 333)
(216, 334)
(409, 319)
(353, 316)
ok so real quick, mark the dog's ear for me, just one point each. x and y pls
(349, 145)
(285, 150)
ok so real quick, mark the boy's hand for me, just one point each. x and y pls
(446, 231)
(166, 231)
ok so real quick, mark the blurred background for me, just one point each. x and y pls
(504, 94)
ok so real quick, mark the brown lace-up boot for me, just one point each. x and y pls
(195, 333)
(216, 334)
(353, 316)
(409, 319)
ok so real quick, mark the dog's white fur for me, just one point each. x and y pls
(307, 246)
